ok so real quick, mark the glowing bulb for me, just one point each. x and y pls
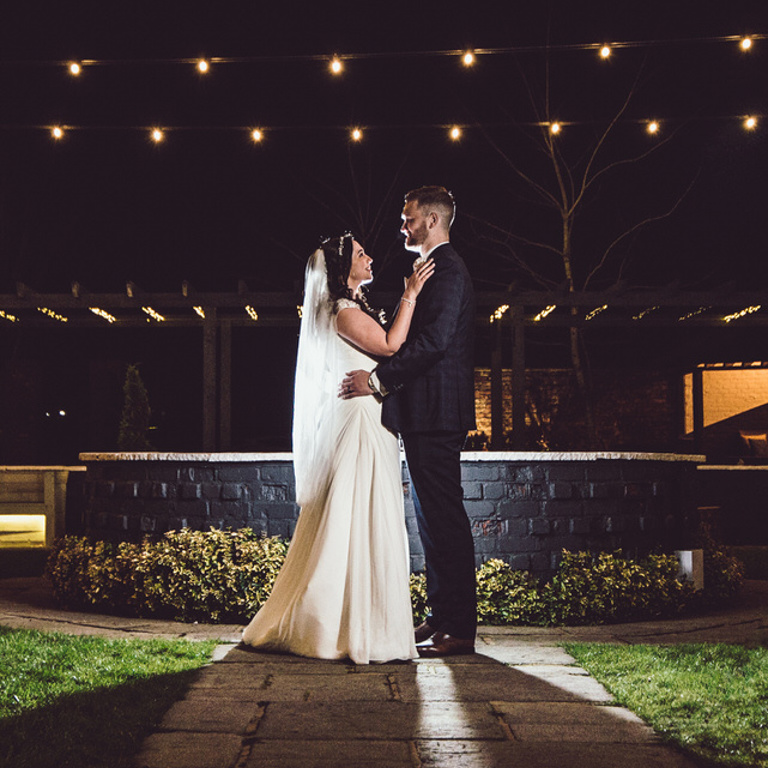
(746, 43)
(455, 133)
(157, 135)
(357, 134)
(653, 127)
(554, 128)
(336, 65)
(750, 123)
(257, 135)
(468, 58)
(203, 66)
(74, 68)
(57, 132)
(605, 51)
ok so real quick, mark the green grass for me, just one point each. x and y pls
(711, 700)
(71, 701)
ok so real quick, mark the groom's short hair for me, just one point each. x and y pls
(435, 198)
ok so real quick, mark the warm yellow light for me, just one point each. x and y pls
(468, 58)
(498, 313)
(157, 135)
(8, 316)
(57, 132)
(357, 134)
(653, 127)
(22, 530)
(203, 66)
(74, 68)
(544, 312)
(746, 43)
(153, 314)
(750, 123)
(554, 128)
(455, 133)
(200, 311)
(605, 51)
(257, 135)
(336, 65)
(252, 313)
(103, 314)
(53, 315)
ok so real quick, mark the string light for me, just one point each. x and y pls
(746, 43)
(750, 123)
(257, 135)
(595, 312)
(336, 65)
(154, 315)
(53, 315)
(57, 132)
(468, 58)
(544, 312)
(645, 312)
(299, 310)
(605, 52)
(200, 311)
(157, 135)
(203, 66)
(554, 128)
(498, 313)
(356, 134)
(8, 316)
(102, 313)
(252, 313)
(693, 313)
(652, 127)
(455, 133)
(74, 68)
(744, 312)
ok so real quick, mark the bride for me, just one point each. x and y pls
(343, 591)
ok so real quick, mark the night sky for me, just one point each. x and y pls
(105, 204)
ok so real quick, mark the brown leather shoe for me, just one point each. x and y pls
(441, 644)
(423, 632)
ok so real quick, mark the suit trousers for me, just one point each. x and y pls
(434, 464)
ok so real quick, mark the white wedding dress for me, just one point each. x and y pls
(343, 591)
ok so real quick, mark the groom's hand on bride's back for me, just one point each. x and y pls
(355, 384)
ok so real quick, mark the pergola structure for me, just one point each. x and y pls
(215, 314)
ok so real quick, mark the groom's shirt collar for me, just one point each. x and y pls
(421, 259)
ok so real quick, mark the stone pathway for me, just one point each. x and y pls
(511, 704)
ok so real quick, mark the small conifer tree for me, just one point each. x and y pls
(134, 422)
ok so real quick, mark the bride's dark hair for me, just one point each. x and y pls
(338, 263)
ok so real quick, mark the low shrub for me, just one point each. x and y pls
(225, 576)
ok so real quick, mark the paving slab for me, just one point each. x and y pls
(204, 714)
(331, 753)
(189, 750)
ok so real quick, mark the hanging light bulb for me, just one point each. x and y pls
(74, 68)
(57, 132)
(157, 135)
(468, 58)
(203, 66)
(746, 43)
(257, 135)
(336, 65)
(652, 127)
(750, 123)
(356, 134)
(455, 133)
(554, 128)
(605, 51)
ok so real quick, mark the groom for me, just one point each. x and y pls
(428, 397)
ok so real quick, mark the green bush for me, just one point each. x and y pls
(220, 576)
(605, 588)
(506, 596)
(225, 576)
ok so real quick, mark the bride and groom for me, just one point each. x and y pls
(343, 591)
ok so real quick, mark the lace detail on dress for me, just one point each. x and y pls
(347, 304)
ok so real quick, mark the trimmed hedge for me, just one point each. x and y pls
(225, 576)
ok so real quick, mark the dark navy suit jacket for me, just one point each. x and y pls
(431, 378)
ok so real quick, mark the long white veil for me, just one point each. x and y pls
(315, 394)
